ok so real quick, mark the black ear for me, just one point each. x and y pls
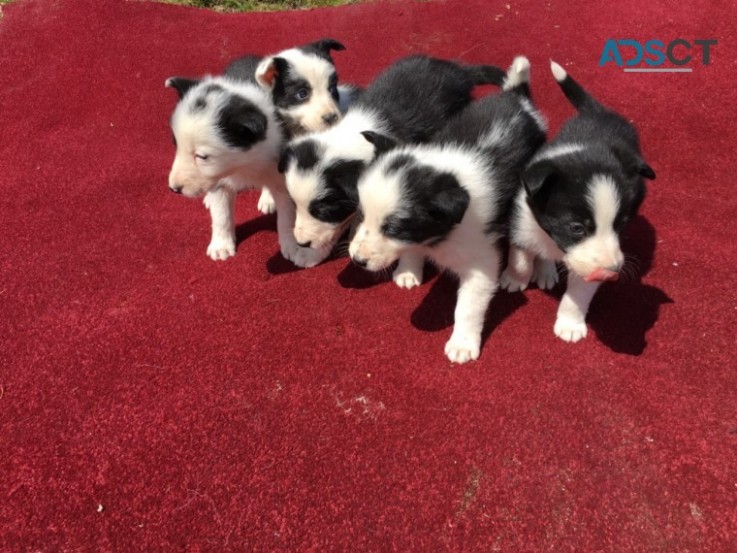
(633, 164)
(180, 84)
(326, 44)
(381, 142)
(538, 178)
(645, 170)
(253, 124)
(449, 201)
(286, 157)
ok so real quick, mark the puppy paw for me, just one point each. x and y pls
(266, 204)
(221, 249)
(511, 282)
(462, 349)
(545, 274)
(570, 330)
(406, 279)
(304, 257)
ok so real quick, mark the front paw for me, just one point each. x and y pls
(545, 274)
(511, 282)
(266, 204)
(406, 278)
(221, 249)
(461, 349)
(570, 330)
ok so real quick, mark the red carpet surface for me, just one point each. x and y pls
(152, 399)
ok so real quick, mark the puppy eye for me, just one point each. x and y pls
(302, 94)
(577, 229)
(203, 157)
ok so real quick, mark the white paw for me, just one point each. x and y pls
(221, 249)
(266, 204)
(511, 282)
(406, 279)
(462, 349)
(304, 257)
(570, 330)
(545, 274)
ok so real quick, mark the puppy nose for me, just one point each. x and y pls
(360, 262)
(304, 244)
(330, 118)
(176, 188)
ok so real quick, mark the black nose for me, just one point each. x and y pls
(330, 118)
(360, 262)
(304, 244)
(177, 189)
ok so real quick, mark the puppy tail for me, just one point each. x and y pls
(575, 93)
(517, 78)
(486, 74)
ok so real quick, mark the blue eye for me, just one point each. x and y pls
(302, 94)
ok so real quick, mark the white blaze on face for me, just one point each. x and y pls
(304, 187)
(379, 197)
(602, 249)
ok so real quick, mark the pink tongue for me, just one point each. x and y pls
(602, 275)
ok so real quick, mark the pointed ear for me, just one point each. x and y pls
(326, 44)
(381, 142)
(268, 71)
(286, 157)
(449, 201)
(633, 163)
(180, 84)
(538, 178)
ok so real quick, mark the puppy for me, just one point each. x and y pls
(407, 103)
(580, 191)
(228, 132)
(449, 202)
(303, 85)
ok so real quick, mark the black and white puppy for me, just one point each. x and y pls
(407, 103)
(449, 202)
(303, 85)
(228, 135)
(580, 191)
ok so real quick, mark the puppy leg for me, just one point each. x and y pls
(516, 277)
(571, 322)
(477, 287)
(285, 216)
(408, 273)
(545, 273)
(266, 203)
(221, 203)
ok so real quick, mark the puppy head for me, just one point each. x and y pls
(216, 129)
(322, 172)
(584, 204)
(404, 203)
(303, 85)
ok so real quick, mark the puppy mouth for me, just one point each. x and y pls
(602, 275)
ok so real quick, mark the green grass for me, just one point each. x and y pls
(255, 5)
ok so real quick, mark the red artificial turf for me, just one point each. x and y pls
(152, 399)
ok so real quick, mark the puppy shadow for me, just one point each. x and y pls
(253, 226)
(358, 278)
(622, 313)
(437, 308)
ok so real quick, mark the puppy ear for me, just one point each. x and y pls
(633, 164)
(326, 44)
(538, 178)
(251, 125)
(268, 71)
(448, 202)
(180, 84)
(381, 142)
(286, 157)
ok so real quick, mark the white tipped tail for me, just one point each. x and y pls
(518, 73)
(558, 72)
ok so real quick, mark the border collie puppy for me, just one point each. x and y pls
(303, 85)
(448, 201)
(580, 191)
(228, 133)
(408, 102)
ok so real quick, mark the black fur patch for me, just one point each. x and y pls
(339, 197)
(432, 204)
(241, 124)
(243, 69)
(288, 85)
